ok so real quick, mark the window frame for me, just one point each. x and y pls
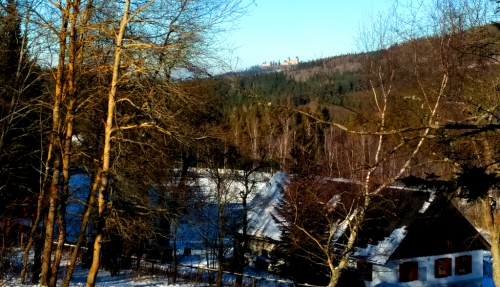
(408, 271)
(442, 267)
(460, 261)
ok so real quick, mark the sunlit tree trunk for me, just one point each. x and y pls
(70, 95)
(106, 153)
(63, 196)
(56, 126)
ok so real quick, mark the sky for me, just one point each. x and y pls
(309, 29)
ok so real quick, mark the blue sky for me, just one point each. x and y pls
(276, 29)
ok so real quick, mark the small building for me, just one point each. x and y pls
(289, 62)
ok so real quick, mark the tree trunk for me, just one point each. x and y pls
(245, 217)
(83, 228)
(66, 154)
(334, 278)
(220, 247)
(60, 244)
(33, 233)
(50, 221)
(174, 252)
(244, 247)
(37, 264)
(54, 142)
(489, 221)
(106, 156)
(336, 271)
(495, 254)
(63, 197)
(76, 51)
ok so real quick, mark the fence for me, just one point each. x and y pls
(200, 275)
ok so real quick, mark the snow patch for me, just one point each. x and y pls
(381, 252)
(343, 226)
(427, 203)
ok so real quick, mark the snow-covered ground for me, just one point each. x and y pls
(128, 278)
(125, 279)
(191, 272)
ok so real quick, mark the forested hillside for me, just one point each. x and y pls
(89, 87)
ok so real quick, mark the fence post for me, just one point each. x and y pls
(253, 282)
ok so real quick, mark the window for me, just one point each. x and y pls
(463, 265)
(408, 271)
(442, 267)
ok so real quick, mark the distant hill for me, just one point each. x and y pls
(351, 63)
(305, 70)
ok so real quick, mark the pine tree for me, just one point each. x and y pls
(299, 209)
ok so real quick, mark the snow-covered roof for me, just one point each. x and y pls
(262, 206)
(484, 233)
(381, 252)
(392, 212)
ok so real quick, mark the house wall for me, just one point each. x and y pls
(258, 245)
(388, 275)
(289, 62)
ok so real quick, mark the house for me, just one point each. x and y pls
(263, 231)
(439, 247)
(197, 229)
(410, 237)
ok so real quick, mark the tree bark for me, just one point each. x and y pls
(63, 197)
(47, 251)
(37, 264)
(493, 230)
(50, 221)
(106, 156)
(70, 94)
(336, 271)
